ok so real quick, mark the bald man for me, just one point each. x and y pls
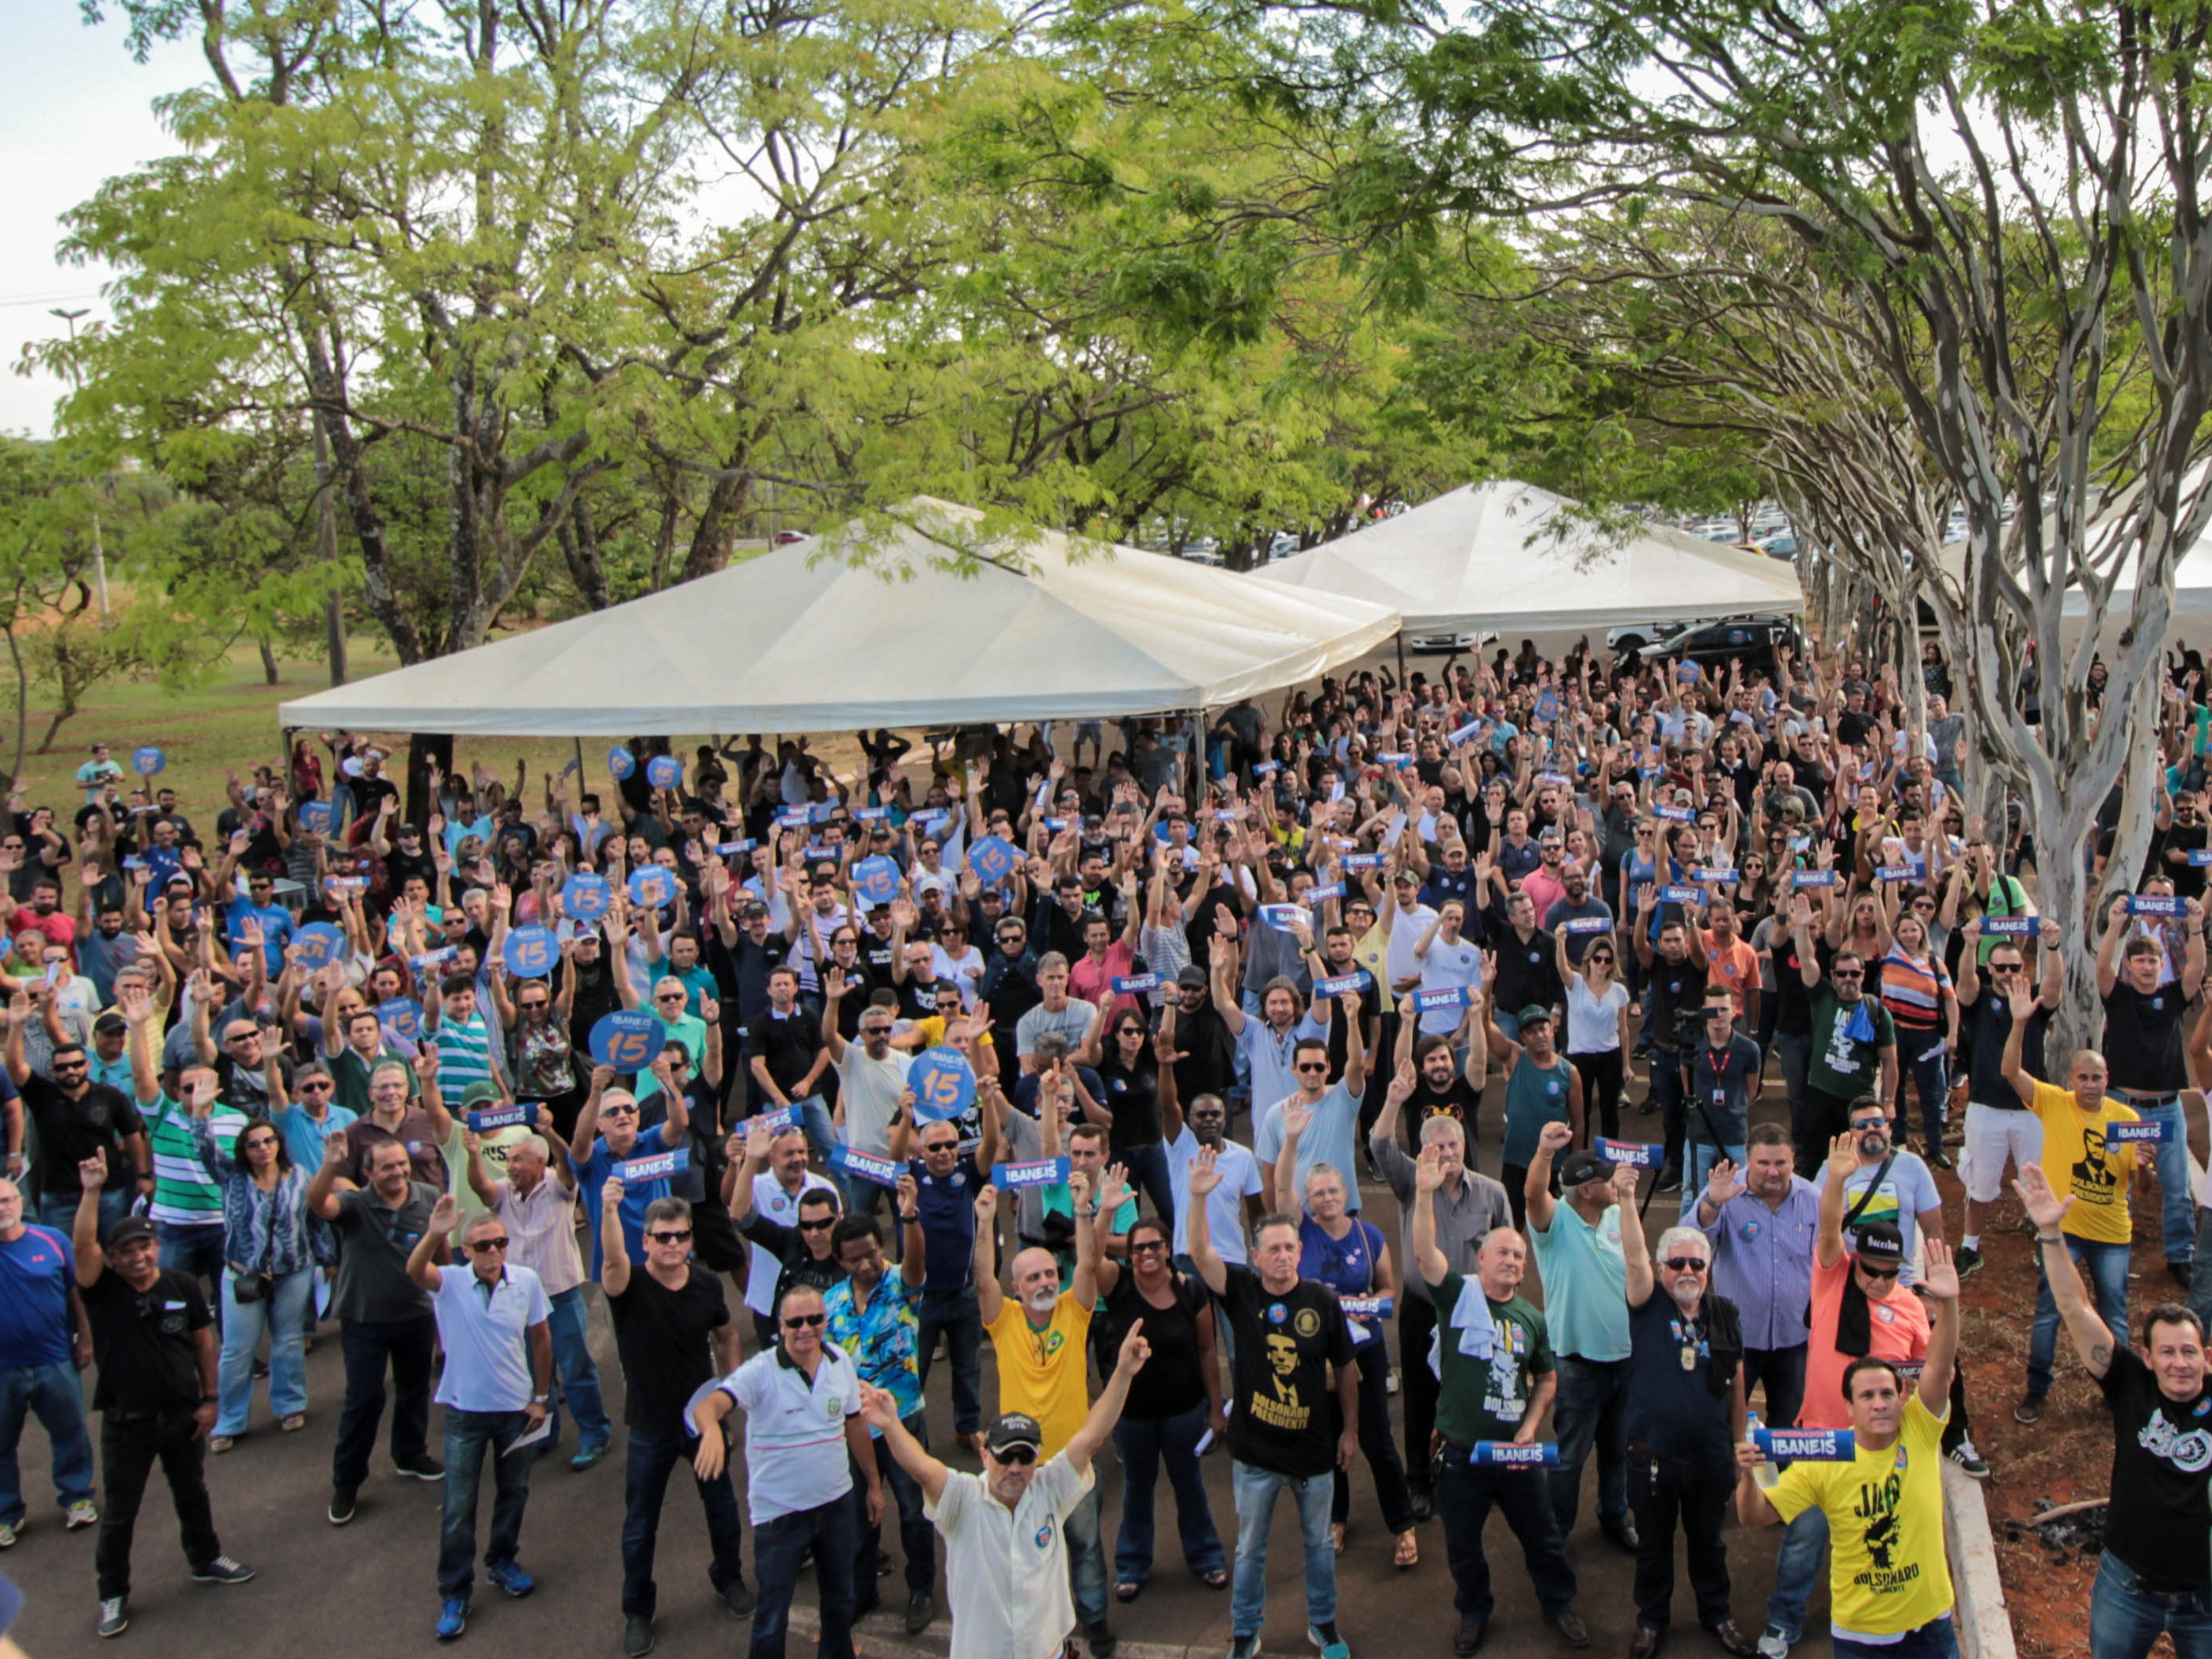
(1041, 1335)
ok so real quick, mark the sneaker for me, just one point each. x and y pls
(1391, 1383)
(1775, 1644)
(587, 1456)
(114, 1615)
(1244, 1647)
(425, 1468)
(1938, 1158)
(2183, 1273)
(739, 1599)
(82, 1514)
(220, 1443)
(920, 1608)
(509, 1577)
(1325, 1637)
(1968, 1458)
(1670, 1179)
(1100, 1640)
(1968, 1261)
(8, 1533)
(222, 1571)
(341, 1506)
(452, 1619)
(637, 1637)
(2029, 1412)
(260, 1371)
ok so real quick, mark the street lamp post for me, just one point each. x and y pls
(98, 552)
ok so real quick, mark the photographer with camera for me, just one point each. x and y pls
(1674, 1009)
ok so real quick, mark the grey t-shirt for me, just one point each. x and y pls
(1074, 1020)
(376, 1240)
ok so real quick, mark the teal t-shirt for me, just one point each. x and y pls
(1585, 1283)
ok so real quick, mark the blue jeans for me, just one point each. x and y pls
(58, 1210)
(56, 1395)
(1702, 1157)
(831, 1530)
(652, 1458)
(282, 1311)
(1148, 1173)
(2179, 1211)
(1086, 1558)
(569, 1320)
(812, 1114)
(1936, 1639)
(2125, 1619)
(917, 1537)
(469, 1437)
(1256, 1490)
(1144, 1443)
(1931, 1081)
(1591, 1411)
(1508, 1025)
(195, 1250)
(1465, 1496)
(954, 1313)
(1797, 1569)
(2104, 1267)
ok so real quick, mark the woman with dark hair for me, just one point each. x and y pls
(268, 1274)
(1174, 1402)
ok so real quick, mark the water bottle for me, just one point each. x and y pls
(1764, 1473)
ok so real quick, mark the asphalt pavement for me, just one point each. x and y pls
(368, 1590)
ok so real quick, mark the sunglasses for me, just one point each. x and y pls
(677, 996)
(1310, 1066)
(1847, 973)
(316, 1083)
(1871, 1125)
(803, 1321)
(1020, 1456)
(1150, 1247)
(821, 1226)
(1879, 1272)
(1685, 1264)
(1602, 956)
(486, 1246)
(618, 1111)
(669, 1238)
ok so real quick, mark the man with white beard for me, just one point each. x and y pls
(1685, 1416)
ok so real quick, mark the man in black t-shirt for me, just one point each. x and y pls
(2143, 1046)
(2159, 1514)
(803, 1249)
(1440, 1088)
(153, 1340)
(1289, 1331)
(785, 1060)
(77, 1118)
(673, 1332)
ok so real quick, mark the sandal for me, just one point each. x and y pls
(1336, 1531)
(294, 1423)
(1216, 1580)
(1409, 1549)
(1128, 1590)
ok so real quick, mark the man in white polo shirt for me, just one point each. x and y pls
(499, 1372)
(804, 1437)
(1005, 1530)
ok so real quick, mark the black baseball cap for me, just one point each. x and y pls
(1192, 977)
(1014, 1429)
(1880, 1241)
(1583, 1164)
(129, 1230)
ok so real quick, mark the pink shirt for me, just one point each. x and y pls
(1088, 981)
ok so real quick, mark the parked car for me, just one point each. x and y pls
(1634, 637)
(1449, 644)
(1713, 644)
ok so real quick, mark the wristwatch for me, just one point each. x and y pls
(540, 1399)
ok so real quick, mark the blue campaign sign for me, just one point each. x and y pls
(1511, 1454)
(321, 944)
(944, 1084)
(620, 762)
(628, 1039)
(1547, 707)
(2127, 1134)
(319, 817)
(148, 760)
(876, 879)
(532, 952)
(586, 898)
(652, 886)
(881, 1170)
(1807, 1445)
(664, 772)
(992, 859)
(402, 1016)
(1636, 1154)
(1041, 1172)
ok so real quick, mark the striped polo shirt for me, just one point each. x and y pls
(185, 1194)
(464, 1055)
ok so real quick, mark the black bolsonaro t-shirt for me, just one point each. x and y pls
(2160, 1517)
(1285, 1346)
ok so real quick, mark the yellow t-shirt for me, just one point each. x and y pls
(2078, 1161)
(1042, 1372)
(1887, 1571)
(1371, 953)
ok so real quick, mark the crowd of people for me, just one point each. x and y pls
(982, 1051)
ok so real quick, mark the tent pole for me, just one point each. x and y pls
(1197, 755)
(1402, 658)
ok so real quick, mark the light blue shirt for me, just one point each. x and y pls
(1273, 1059)
(481, 1326)
(1585, 1283)
(1762, 1262)
(1328, 1138)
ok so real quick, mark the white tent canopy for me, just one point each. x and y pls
(802, 639)
(1500, 556)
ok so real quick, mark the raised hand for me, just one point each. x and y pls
(1429, 1169)
(1204, 1177)
(1843, 1155)
(986, 1204)
(445, 1214)
(1938, 1273)
(1721, 1185)
(2046, 1208)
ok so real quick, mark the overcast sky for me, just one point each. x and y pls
(77, 110)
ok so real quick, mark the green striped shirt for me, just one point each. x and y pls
(185, 1194)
